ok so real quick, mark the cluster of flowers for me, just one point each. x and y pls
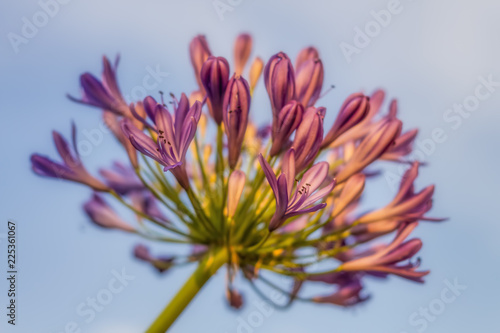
(258, 193)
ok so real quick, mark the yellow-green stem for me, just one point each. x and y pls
(210, 264)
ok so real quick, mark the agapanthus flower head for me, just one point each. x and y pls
(264, 200)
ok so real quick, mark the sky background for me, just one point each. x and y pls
(430, 56)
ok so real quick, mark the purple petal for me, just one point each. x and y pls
(288, 169)
(242, 49)
(65, 152)
(43, 166)
(270, 175)
(104, 216)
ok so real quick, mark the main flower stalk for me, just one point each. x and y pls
(206, 268)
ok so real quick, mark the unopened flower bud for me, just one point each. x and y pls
(289, 119)
(235, 186)
(214, 77)
(308, 137)
(309, 81)
(242, 50)
(199, 53)
(235, 115)
(280, 82)
(352, 112)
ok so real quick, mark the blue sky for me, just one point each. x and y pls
(429, 54)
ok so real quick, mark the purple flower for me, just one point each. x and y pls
(406, 205)
(366, 125)
(70, 169)
(351, 191)
(145, 202)
(279, 78)
(352, 112)
(104, 216)
(365, 232)
(199, 53)
(308, 137)
(289, 119)
(162, 264)
(215, 76)
(113, 122)
(145, 112)
(255, 72)
(338, 278)
(305, 196)
(103, 94)
(222, 215)
(307, 53)
(372, 147)
(173, 137)
(388, 259)
(309, 81)
(121, 178)
(235, 114)
(348, 294)
(234, 298)
(295, 225)
(403, 145)
(242, 49)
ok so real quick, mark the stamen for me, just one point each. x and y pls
(162, 101)
(327, 91)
